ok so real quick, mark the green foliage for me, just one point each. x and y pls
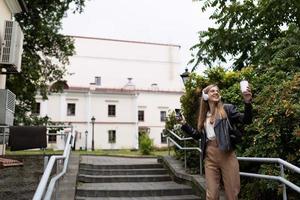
(251, 32)
(275, 131)
(146, 144)
(266, 35)
(45, 54)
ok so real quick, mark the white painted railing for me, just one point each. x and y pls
(42, 187)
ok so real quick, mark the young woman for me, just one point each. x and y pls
(213, 130)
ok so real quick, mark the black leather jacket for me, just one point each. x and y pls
(221, 127)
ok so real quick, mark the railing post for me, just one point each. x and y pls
(283, 185)
(201, 153)
(46, 159)
(168, 145)
(185, 155)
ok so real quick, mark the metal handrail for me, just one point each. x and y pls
(280, 178)
(178, 137)
(184, 148)
(281, 162)
(45, 178)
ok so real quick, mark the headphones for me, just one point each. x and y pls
(204, 96)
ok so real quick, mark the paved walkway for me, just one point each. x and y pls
(67, 185)
(110, 160)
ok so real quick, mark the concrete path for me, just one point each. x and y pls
(110, 160)
(67, 185)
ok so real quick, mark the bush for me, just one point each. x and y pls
(146, 144)
(275, 131)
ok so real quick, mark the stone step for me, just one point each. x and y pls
(124, 166)
(140, 189)
(178, 197)
(126, 178)
(88, 171)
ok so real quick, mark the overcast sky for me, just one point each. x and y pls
(159, 21)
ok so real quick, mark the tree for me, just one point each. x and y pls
(275, 130)
(251, 32)
(263, 34)
(45, 55)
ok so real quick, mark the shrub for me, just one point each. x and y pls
(146, 144)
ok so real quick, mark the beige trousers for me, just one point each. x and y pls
(221, 164)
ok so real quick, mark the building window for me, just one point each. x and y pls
(98, 80)
(111, 110)
(36, 109)
(52, 136)
(141, 115)
(163, 116)
(71, 109)
(111, 136)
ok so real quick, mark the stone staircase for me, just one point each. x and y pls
(129, 179)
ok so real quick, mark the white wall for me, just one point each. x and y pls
(115, 61)
(152, 103)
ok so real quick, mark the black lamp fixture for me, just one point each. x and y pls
(93, 124)
(185, 75)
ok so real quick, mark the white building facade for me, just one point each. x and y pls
(127, 86)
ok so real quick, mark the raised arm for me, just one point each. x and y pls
(194, 133)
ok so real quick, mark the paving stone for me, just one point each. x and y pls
(123, 178)
(180, 197)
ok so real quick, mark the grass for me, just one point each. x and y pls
(120, 152)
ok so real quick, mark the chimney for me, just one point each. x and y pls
(154, 86)
(129, 85)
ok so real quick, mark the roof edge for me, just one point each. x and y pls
(127, 41)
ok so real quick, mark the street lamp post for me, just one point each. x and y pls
(185, 75)
(86, 133)
(93, 124)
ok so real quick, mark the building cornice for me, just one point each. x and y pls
(127, 41)
(86, 122)
(119, 90)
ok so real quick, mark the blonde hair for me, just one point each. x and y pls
(204, 108)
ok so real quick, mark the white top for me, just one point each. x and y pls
(209, 128)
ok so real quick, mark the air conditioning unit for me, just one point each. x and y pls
(12, 47)
(7, 107)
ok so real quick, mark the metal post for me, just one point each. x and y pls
(201, 154)
(283, 185)
(45, 162)
(93, 124)
(168, 145)
(185, 155)
(86, 133)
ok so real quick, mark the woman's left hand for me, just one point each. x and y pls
(247, 96)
